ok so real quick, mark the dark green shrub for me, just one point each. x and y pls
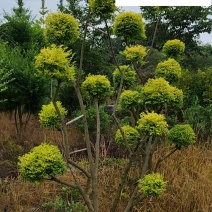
(105, 119)
(182, 135)
(128, 79)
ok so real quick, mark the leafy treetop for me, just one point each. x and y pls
(135, 53)
(152, 185)
(128, 100)
(54, 62)
(174, 48)
(48, 116)
(159, 94)
(170, 70)
(152, 124)
(103, 9)
(61, 28)
(41, 162)
(97, 86)
(130, 26)
(129, 76)
(182, 135)
(131, 134)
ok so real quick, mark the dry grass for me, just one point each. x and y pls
(188, 172)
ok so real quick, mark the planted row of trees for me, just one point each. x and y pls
(151, 108)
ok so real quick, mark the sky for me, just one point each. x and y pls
(34, 6)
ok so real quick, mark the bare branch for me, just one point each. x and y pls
(73, 120)
(63, 182)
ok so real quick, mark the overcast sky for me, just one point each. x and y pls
(34, 6)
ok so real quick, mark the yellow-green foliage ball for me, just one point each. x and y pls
(182, 135)
(129, 25)
(152, 124)
(158, 93)
(101, 8)
(97, 86)
(54, 62)
(128, 100)
(173, 48)
(131, 134)
(48, 116)
(152, 185)
(135, 53)
(170, 70)
(41, 162)
(129, 76)
(61, 28)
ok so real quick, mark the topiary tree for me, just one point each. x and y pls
(141, 141)
(174, 48)
(170, 70)
(130, 26)
(61, 29)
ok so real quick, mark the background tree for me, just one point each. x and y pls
(43, 12)
(27, 91)
(184, 23)
(20, 40)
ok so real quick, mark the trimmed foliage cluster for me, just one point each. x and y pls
(152, 124)
(41, 162)
(128, 99)
(97, 86)
(158, 93)
(103, 9)
(170, 70)
(182, 135)
(173, 48)
(61, 28)
(54, 62)
(131, 134)
(48, 116)
(105, 119)
(152, 185)
(128, 78)
(129, 25)
(135, 53)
